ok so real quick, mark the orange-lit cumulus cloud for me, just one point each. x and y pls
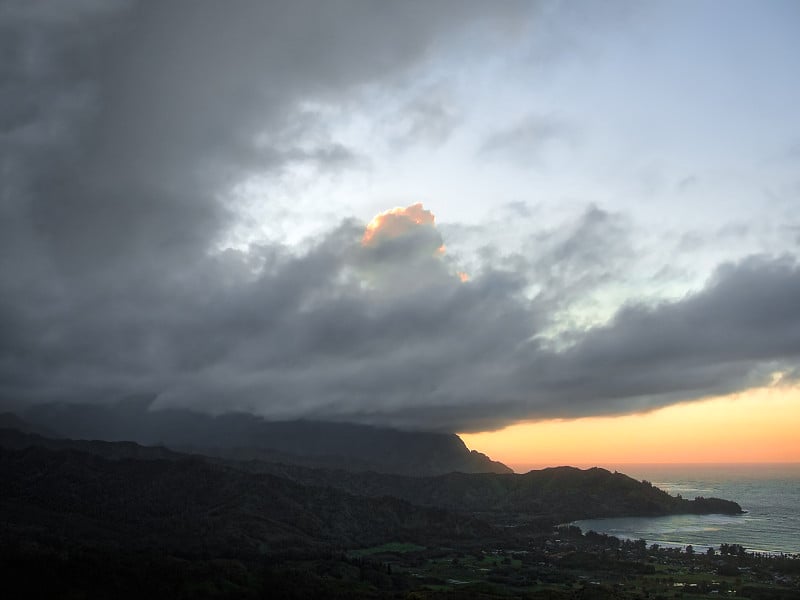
(401, 221)
(397, 221)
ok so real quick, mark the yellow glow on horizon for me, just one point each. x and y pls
(760, 425)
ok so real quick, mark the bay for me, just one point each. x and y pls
(770, 493)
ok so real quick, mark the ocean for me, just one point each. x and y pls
(770, 493)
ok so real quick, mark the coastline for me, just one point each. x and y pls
(769, 494)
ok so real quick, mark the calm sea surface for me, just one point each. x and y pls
(770, 493)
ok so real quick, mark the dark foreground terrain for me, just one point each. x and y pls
(94, 519)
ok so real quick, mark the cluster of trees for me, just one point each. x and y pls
(731, 550)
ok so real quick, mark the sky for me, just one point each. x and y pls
(537, 224)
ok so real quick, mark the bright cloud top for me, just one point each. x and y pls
(396, 222)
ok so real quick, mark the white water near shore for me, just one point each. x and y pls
(769, 493)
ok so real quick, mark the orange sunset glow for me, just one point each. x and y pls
(761, 425)
(396, 221)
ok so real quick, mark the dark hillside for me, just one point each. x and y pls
(560, 493)
(553, 495)
(244, 436)
(193, 506)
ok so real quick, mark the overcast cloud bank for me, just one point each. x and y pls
(125, 128)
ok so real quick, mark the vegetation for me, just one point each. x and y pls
(101, 519)
(561, 564)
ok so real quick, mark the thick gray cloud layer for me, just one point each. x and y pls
(125, 125)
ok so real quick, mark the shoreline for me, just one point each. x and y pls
(666, 543)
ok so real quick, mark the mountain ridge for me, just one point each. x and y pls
(243, 436)
(553, 494)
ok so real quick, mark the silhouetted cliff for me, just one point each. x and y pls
(244, 436)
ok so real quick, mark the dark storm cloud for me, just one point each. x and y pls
(125, 125)
(735, 333)
(321, 335)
